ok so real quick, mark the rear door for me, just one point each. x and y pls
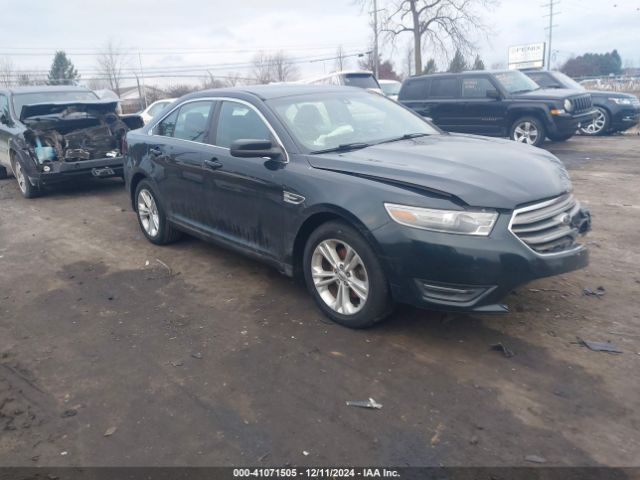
(480, 114)
(178, 146)
(413, 94)
(445, 104)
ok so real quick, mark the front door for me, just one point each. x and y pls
(481, 114)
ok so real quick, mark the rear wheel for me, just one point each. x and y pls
(600, 124)
(27, 190)
(152, 217)
(528, 130)
(345, 277)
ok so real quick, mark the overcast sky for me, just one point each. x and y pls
(224, 35)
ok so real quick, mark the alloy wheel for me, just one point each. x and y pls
(340, 276)
(595, 127)
(22, 180)
(526, 132)
(148, 213)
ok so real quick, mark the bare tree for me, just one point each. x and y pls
(111, 62)
(261, 68)
(232, 79)
(282, 67)
(97, 84)
(7, 72)
(444, 24)
(210, 81)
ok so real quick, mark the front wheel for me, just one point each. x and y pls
(27, 190)
(528, 130)
(600, 124)
(345, 277)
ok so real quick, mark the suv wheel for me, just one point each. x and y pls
(152, 218)
(600, 124)
(345, 277)
(528, 130)
(27, 190)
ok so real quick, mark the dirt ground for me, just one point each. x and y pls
(192, 355)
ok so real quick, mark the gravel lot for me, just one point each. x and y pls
(192, 355)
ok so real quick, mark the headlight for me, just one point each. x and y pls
(448, 221)
(621, 101)
(568, 105)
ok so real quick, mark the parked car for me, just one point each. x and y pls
(349, 78)
(390, 88)
(498, 103)
(53, 134)
(617, 112)
(358, 195)
(155, 108)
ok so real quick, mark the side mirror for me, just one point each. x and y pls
(250, 148)
(494, 94)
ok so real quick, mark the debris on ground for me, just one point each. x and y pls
(535, 459)
(598, 292)
(435, 440)
(305, 453)
(473, 440)
(72, 412)
(110, 431)
(500, 347)
(197, 355)
(371, 403)
(599, 346)
(177, 363)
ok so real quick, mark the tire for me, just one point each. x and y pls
(3, 173)
(561, 138)
(27, 190)
(151, 216)
(326, 247)
(522, 130)
(600, 125)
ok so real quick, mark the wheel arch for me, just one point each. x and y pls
(135, 181)
(320, 216)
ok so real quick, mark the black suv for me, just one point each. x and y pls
(617, 112)
(497, 103)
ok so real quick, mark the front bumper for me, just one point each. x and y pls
(625, 117)
(464, 273)
(566, 123)
(61, 172)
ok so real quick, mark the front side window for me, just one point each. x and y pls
(516, 82)
(238, 121)
(444, 88)
(322, 121)
(476, 87)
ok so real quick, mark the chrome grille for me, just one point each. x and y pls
(582, 103)
(547, 227)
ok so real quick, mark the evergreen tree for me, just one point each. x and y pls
(458, 63)
(431, 67)
(478, 64)
(62, 71)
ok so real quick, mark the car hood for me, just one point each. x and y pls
(480, 171)
(548, 94)
(51, 108)
(604, 93)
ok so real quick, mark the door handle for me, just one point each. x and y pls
(213, 164)
(155, 151)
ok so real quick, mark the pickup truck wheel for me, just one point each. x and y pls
(345, 277)
(600, 124)
(528, 130)
(152, 218)
(27, 190)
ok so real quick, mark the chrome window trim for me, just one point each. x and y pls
(219, 99)
(537, 206)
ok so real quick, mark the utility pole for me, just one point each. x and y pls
(551, 4)
(144, 89)
(376, 67)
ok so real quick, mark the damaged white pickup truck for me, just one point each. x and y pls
(49, 135)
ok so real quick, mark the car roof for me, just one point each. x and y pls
(266, 92)
(47, 88)
(464, 74)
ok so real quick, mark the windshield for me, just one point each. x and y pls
(329, 120)
(567, 81)
(391, 88)
(516, 82)
(362, 80)
(22, 99)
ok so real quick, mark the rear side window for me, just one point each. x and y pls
(414, 89)
(362, 80)
(189, 122)
(444, 88)
(476, 87)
